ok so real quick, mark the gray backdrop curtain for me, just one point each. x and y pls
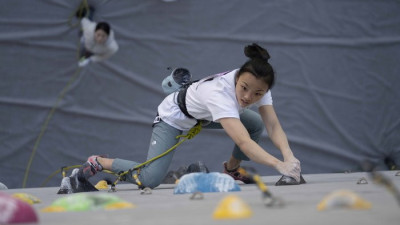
(337, 93)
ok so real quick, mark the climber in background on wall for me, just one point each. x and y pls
(97, 39)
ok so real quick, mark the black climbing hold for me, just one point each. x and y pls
(286, 180)
(72, 184)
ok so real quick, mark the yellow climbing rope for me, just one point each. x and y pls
(46, 123)
(190, 134)
(83, 6)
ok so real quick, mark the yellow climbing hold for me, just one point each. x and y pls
(28, 198)
(87, 202)
(343, 199)
(232, 207)
(54, 209)
(101, 185)
(119, 205)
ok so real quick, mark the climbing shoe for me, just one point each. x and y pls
(235, 174)
(91, 167)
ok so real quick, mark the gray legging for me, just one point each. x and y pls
(164, 137)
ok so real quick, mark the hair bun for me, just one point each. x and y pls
(255, 51)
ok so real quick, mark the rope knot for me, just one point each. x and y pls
(192, 132)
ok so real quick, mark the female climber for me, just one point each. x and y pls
(217, 101)
(98, 42)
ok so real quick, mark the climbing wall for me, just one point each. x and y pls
(337, 66)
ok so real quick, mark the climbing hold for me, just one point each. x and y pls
(232, 207)
(72, 184)
(273, 201)
(197, 196)
(145, 191)
(87, 202)
(206, 182)
(343, 199)
(118, 205)
(101, 185)
(28, 198)
(14, 210)
(286, 180)
(172, 176)
(362, 180)
(3, 186)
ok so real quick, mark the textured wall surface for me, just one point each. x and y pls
(337, 92)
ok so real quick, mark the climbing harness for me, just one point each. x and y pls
(135, 171)
(181, 99)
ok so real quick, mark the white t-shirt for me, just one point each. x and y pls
(207, 100)
(100, 51)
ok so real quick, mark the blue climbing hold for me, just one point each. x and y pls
(206, 182)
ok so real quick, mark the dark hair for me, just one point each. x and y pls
(258, 64)
(103, 26)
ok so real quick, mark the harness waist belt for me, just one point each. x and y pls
(182, 102)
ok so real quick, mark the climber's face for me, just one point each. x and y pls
(100, 36)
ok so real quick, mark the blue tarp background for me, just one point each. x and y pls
(337, 93)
